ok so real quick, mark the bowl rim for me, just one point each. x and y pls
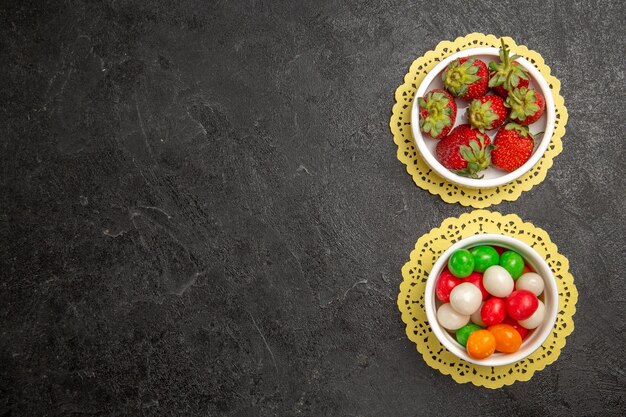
(442, 171)
(550, 293)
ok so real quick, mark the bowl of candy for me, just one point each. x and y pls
(482, 117)
(491, 300)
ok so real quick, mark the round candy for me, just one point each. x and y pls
(449, 319)
(465, 298)
(530, 281)
(498, 281)
(526, 269)
(464, 332)
(521, 304)
(477, 279)
(476, 317)
(500, 249)
(493, 311)
(508, 340)
(484, 257)
(536, 319)
(461, 263)
(523, 332)
(445, 283)
(512, 262)
(481, 344)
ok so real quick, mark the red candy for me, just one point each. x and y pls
(521, 304)
(445, 285)
(521, 330)
(476, 278)
(493, 311)
(500, 250)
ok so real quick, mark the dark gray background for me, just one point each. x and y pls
(202, 212)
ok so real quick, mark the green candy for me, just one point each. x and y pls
(464, 333)
(512, 262)
(461, 263)
(484, 257)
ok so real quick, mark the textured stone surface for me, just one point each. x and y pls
(202, 212)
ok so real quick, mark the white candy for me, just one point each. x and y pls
(497, 281)
(530, 282)
(476, 318)
(465, 298)
(449, 319)
(536, 319)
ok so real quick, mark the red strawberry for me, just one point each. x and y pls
(507, 74)
(487, 113)
(465, 151)
(526, 104)
(513, 146)
(466, 78)
(437, 113)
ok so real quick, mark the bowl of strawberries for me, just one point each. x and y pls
(482, 117)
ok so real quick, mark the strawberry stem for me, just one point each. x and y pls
(517, 100)
(505, 54)
(507, 82)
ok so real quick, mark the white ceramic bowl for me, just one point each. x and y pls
(550, 297)
(493, 177)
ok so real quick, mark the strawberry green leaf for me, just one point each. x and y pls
(522, 102)
(523, 130)
(475, 147)
(457, 77)
(481, 116)
(477, 156)
(466, 152)
(472, 70)
(507, 73)
(439, 113)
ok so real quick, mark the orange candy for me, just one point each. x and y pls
(508, 340)
(481, 344)
(527, 268)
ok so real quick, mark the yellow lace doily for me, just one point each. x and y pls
(411, 298)
(422, 175)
